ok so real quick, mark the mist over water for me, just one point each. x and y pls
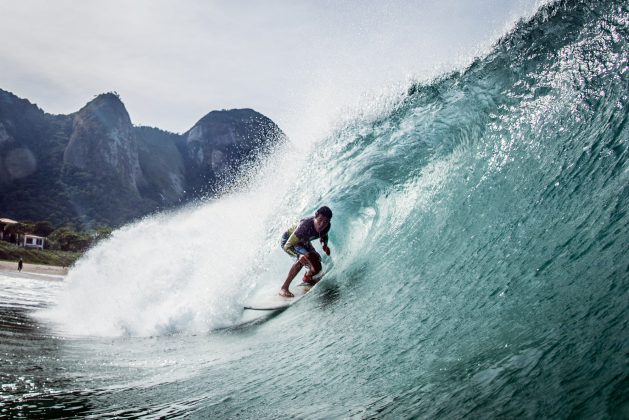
(479, 241)
(183, 271)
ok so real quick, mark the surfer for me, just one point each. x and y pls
(296, 243)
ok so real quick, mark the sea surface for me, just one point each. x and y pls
(479, 267)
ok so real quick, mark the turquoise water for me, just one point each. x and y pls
(480, 269)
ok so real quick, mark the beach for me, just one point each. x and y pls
(10, 267)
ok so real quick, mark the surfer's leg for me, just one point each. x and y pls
(314, 266)
(292, 273)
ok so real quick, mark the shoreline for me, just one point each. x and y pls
(10, 267)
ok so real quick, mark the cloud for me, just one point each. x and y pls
(172, 62)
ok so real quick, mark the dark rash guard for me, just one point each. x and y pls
(302, 234)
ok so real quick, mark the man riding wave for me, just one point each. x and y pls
(296, 243)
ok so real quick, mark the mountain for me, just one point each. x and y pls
(95, 167)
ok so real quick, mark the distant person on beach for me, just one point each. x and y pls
(20, 263)
(296, 243)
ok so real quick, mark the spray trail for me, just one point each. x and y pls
(182, 271)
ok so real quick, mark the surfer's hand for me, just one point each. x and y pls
(326, 249)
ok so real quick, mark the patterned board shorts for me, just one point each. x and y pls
(301, 250)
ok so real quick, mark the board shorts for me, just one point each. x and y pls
(300, 249)
(307, 255)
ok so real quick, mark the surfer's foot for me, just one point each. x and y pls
(309, 280)
(286, 293)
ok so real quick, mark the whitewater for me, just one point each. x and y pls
(479, 262)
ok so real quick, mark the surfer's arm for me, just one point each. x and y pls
(324, 241)
(323, 236)
(325, 247)
(289, 246)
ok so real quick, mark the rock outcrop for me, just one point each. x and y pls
(94, 167)
(103, 142)
(222, 141)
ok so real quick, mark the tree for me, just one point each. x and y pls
(43, 228)
(102, 232)
(67, 239)
(14, 231)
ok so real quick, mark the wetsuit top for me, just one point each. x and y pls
(302, 234)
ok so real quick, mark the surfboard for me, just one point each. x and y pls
(272, 301)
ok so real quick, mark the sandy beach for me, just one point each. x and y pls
(11, 268)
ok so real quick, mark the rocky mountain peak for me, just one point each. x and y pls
(103, 142)
(107, 110)
(223, 140)
(93, 166)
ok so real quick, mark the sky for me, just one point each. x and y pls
(301, 63)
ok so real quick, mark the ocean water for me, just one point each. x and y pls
(479, 263)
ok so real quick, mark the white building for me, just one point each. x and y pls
(22, 239)
(33, 241)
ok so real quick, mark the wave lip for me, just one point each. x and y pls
(479, 244)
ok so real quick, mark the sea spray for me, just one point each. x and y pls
(187, 270)
(479, 239)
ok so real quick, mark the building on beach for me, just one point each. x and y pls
(33, 241)
(5, 234)
(12, 231)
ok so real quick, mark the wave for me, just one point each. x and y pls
(479, 244)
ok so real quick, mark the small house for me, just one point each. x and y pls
(4, 225)
(33, 241)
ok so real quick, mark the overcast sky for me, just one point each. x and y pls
(295, 61)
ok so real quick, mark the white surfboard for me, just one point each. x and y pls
(272, 301)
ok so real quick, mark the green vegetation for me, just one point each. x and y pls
(66, 239)
(63, 246)
(81, 169)
(12, 252)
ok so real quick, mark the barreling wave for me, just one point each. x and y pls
(480, 243)
(485, 224)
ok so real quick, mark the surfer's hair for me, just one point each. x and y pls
(324, 211)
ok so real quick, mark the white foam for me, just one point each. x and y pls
(185, 271)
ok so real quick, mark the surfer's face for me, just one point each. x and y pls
(321, 222)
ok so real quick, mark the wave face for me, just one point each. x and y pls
(480, 243)
(484, 231)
